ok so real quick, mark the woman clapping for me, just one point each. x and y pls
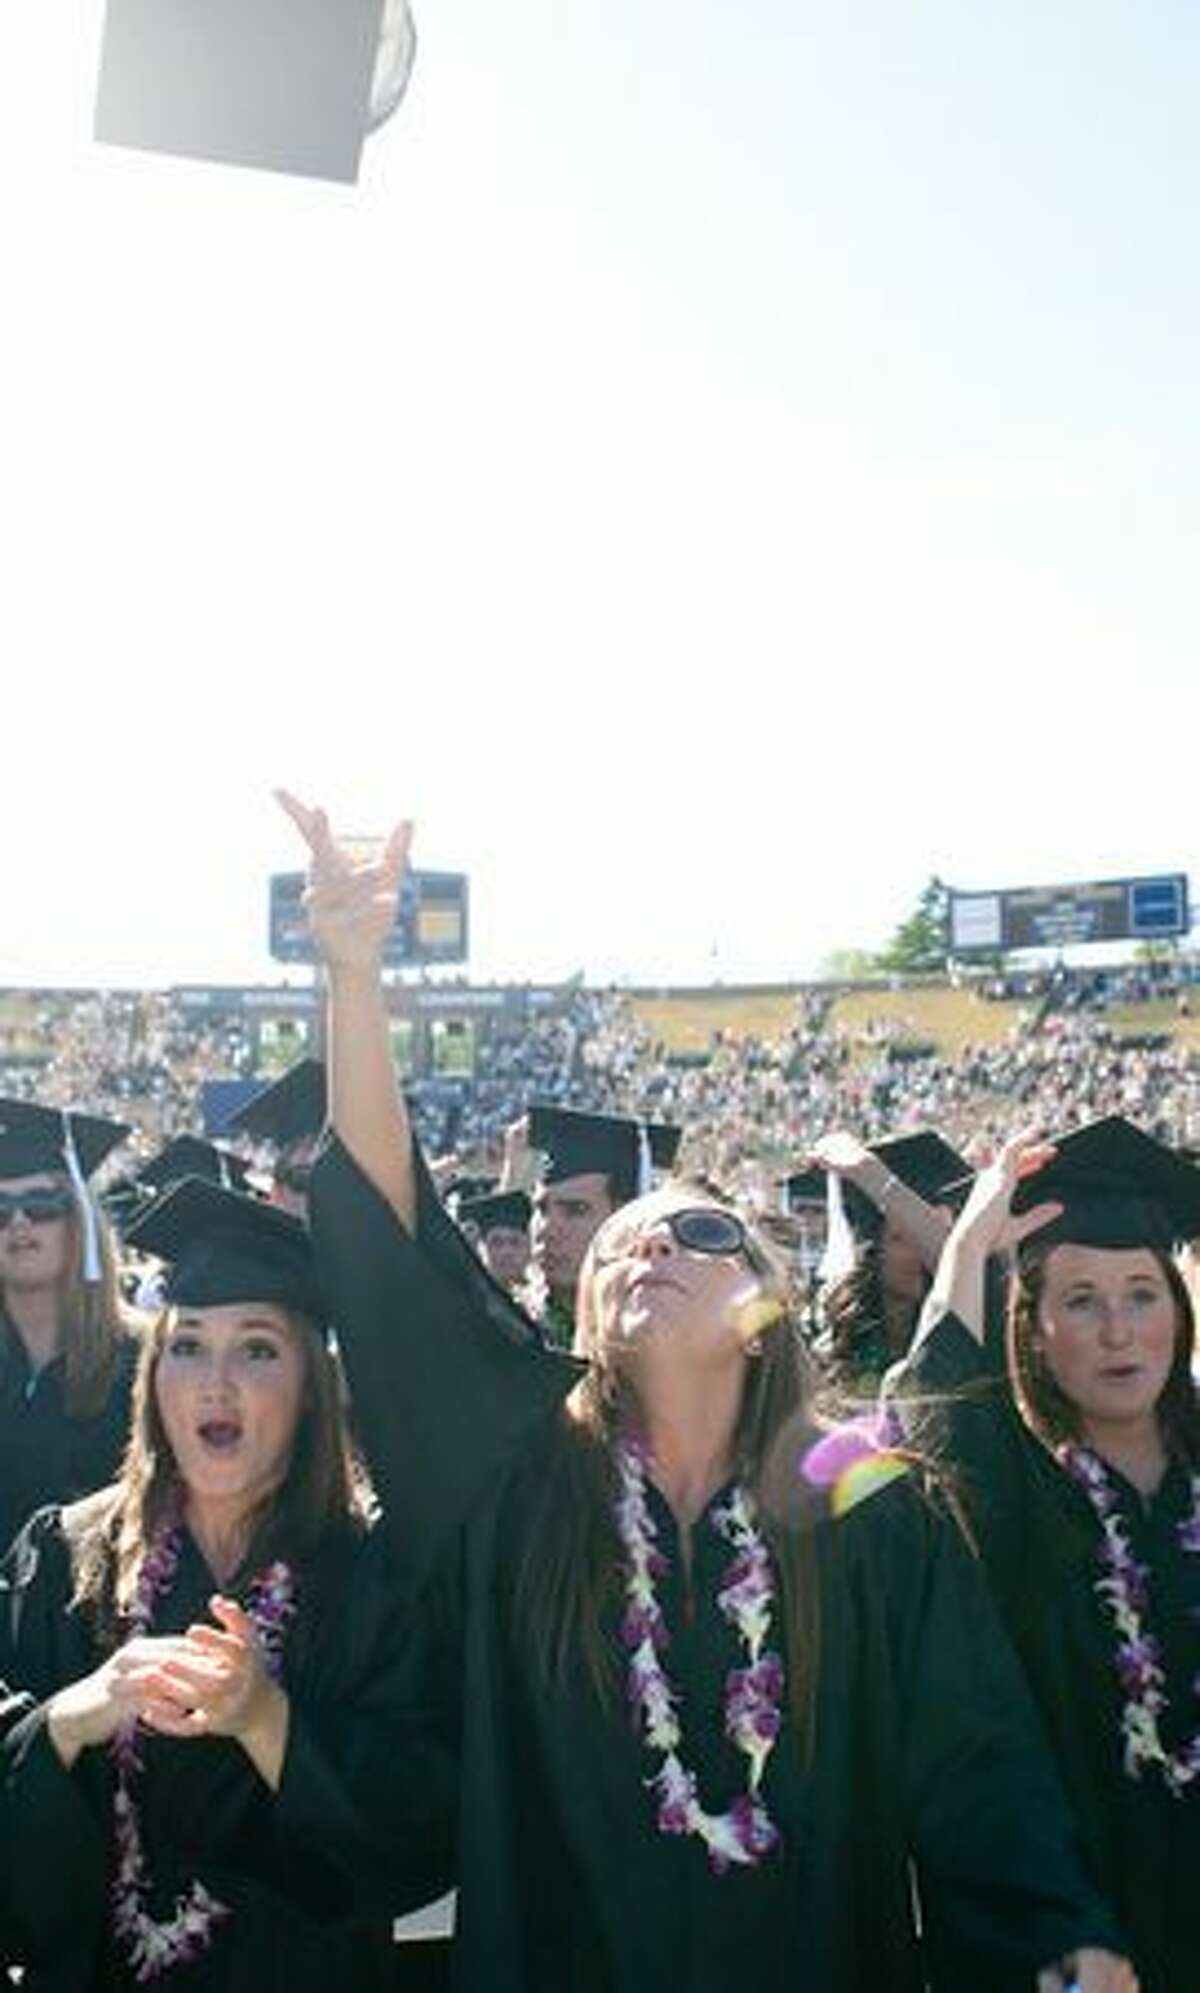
(219, 1656)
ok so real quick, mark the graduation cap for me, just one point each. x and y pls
(460, 1190)
(804, 1187)
(187, 1155)
(1118, 1186)
(223, 1247)
(292, 1109)
(37, 1141)
(510, 1209)
(122, 1201)
(627, 1152)
(289, 85)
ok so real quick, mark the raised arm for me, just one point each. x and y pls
(352, 908)
(447, 1376)
(850, 1159)
(986, 1229)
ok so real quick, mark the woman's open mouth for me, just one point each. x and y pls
(220, 1435)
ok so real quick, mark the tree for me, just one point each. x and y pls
(922, 941)
(846, 965)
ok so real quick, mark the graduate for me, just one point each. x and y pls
(588, 1166)
(67, 1342)
(886, 1232)
(190, 1155)
(289, 1114)
(220, 1659)
(499, 1225)
(714, 1713)
(1078, 1450)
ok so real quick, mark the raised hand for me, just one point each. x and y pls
(986, 1225)
(841, 1152)
(986, 1222)
(351, 901)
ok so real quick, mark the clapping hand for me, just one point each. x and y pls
(214, 1682)
(125, 1689)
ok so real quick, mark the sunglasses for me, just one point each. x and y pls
(698, 1230)
(41, 1207)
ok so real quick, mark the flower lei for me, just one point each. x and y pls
(744, 1834)
(154, 1945)
(1124, 1590)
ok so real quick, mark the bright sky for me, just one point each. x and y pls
(719, 466)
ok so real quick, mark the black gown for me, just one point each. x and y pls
(1039, 1538)
(45, 1456)
(313, 1874)
(926, 1751)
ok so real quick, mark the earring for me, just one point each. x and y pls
(753, 1347)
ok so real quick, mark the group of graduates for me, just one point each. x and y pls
(371, 1557)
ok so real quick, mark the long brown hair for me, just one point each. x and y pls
(568, 1570)
(96, 1325)
(1045, 1406)
(324, 1485)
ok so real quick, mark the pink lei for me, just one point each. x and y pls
(153, 1945)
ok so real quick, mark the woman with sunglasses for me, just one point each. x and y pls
(1074, 1430)
(220, 1659)
(706, 1732)
(67, 1341)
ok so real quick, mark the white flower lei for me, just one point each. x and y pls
(1123, 1591)
(745, 1833)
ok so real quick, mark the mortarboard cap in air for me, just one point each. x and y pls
(222, 1247)
(627, 1152)
(292, 86)
(187, 1155)
(1119, 1188)
(292, 1109)
(510, 1209)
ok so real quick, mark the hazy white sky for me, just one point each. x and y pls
(717, 468)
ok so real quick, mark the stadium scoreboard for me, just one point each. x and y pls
(1148, 909)
(431, 921)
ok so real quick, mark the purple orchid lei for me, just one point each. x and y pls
(1124, 1590)
(753, 1694)
(155, 1945)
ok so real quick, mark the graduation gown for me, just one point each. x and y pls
(925, 1749)
(313, 1874)
(1040, 1542)
(45, 1456)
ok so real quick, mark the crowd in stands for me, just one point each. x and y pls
(750, 1108)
